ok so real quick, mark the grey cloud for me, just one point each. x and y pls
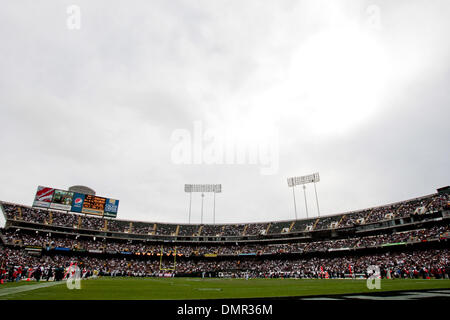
(98, 106)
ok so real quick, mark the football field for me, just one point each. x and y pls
(196, 288)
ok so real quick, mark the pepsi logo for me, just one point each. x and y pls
(78, 200)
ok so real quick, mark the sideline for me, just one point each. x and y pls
(14, 290)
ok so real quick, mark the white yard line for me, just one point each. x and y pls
(405, 296)
(25, 288)
(209, 289)
(321, 298)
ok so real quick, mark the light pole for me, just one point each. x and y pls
(203, 188)
(190, 206)
(317, 199)
(303, 180)
(306, 204)
(201, 218)
(214, 209)
(295, 204)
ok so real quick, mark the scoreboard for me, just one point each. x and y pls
(93, 205)
(75, 202)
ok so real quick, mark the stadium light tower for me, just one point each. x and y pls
(303, 180)
(306, 204)
(203, 188)
(201, 215)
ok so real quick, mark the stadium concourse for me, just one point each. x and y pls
(408, 239)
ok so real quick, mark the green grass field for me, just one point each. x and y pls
(195, 288)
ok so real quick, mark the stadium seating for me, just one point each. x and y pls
(408, 239)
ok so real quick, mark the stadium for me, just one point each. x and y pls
(162, 158)
(120, 259)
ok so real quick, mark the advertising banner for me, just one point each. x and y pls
(44, 196)
(77, 202)
(52, 198)
(111, 207)
(62, 200)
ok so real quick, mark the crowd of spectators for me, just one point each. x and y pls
(63, 219)
(188, 230)
(230, 230)
(303, 225)
(280, 227)
(227, 230)
(256, 228)
(48, 240)
(166, 229)
(328, 222)
(212, 230)
(92, 223)
(354, 218)
(57, 218)
(143, 228)
(117, 225)
(15, 212)
(440, 201)
(413, 264)
(398, 210)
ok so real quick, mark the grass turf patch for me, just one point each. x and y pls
(187, 289)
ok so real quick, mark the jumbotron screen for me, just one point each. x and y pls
(93, 205)
(76, 202)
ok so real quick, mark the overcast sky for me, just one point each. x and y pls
(135, 98)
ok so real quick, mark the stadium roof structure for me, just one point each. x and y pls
(82, 189)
